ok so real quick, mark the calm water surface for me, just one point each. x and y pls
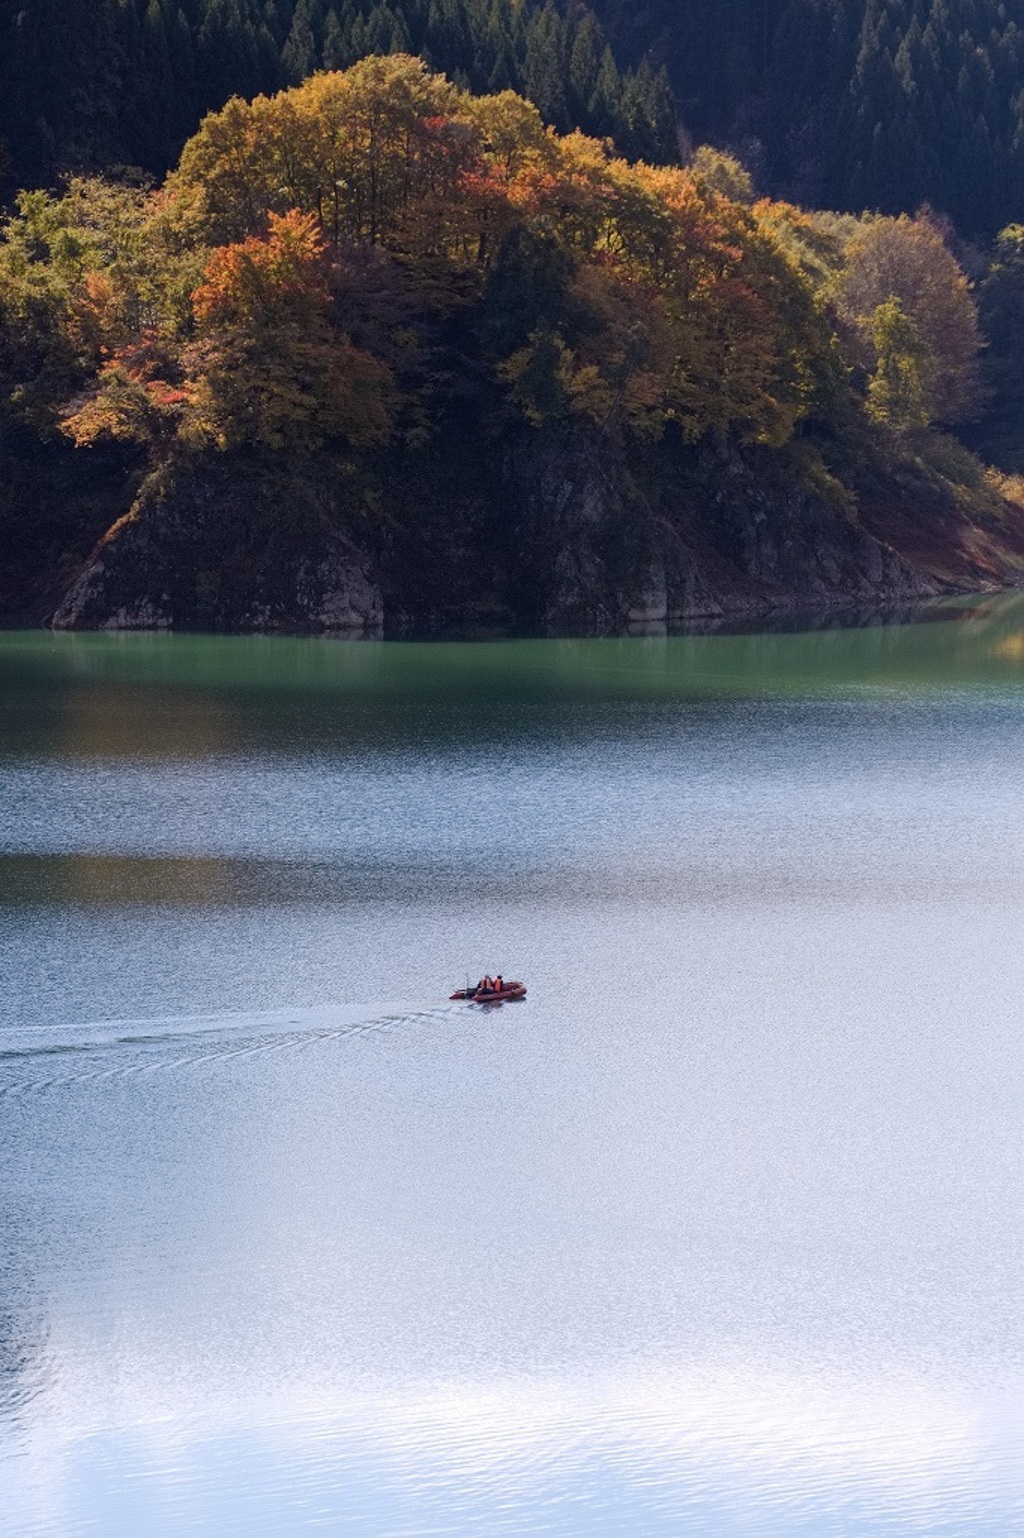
(720, 1233)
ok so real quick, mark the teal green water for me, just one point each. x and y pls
(969, 640)
(719, 1233)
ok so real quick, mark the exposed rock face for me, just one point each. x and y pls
(608, 549)
(759, 546)
(551, 534)
(591, 557)
(218, 545)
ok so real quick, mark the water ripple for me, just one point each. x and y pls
(233, 1039)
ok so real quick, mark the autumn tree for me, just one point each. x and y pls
(83, 272)
(356, 149)
(138, 396)
(267, 368)
(722, 172)
(907, 260)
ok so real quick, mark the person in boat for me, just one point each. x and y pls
(485, 985)
(498, 983)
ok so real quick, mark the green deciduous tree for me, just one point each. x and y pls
(907, 260)
(900, 385)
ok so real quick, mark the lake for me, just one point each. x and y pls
(720, 1232)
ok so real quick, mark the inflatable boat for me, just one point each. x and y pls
(506, 994)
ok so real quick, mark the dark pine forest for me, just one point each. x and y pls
(850, 104)
(92, 84)
(846, 104)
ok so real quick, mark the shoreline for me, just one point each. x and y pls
(743, 619)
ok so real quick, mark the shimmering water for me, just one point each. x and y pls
(720, 1233)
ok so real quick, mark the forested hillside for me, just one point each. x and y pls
(377, 283)
(851, 104)
(407, 279)
(92, 84)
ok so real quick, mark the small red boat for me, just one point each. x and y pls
(506, 994)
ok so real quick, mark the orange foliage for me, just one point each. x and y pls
(137, 398)
(679, 302)
(246, 282)
(267, 367)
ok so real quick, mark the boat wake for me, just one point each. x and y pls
(38, 1059)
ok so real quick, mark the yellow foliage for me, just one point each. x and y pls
(285, 392)
(666, 297)
(906, 261)
(267, 368)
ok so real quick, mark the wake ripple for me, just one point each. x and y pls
(195, 1041)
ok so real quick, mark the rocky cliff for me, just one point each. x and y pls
(214, 544)
(614, 547)
(544, 534)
